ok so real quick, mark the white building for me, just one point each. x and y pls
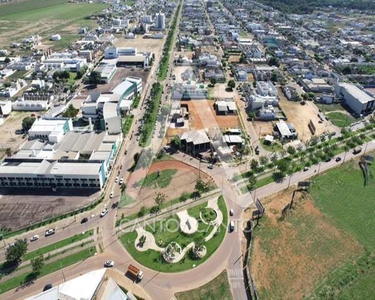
(358, 100)
(160, 21)
(146, 19)
(115, 52)
(33, 102)
(266, 88)
(66, 61)
(5, 108)
(257, 102)
(52, 130)
(107, 71)
(55, 37)
(189, 91)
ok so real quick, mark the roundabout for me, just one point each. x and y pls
(182, 241)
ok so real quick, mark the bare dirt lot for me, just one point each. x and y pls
(20, 208)
(203, 116)
(220, 91)
(300, 116)
(183, 181)
(291, 255)
(263, 128)
(8, 136)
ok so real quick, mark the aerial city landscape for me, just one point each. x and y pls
(187, 149)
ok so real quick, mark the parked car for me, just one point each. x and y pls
(231, 226)
(257, 151)
(121, 180)
(84, 220)
(111, 195)
(47, 287)
(109, 263)
(210, 166)
(328, 159)
(116, 180)
(305, 169)
(49, 232)
(338, 158)
(231, 212)
(104, 212)
(34, 238)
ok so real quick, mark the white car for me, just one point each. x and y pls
(111, 195)
(231, 212)
(210, 166)
(116, 180)
(49, 232)
(34, 238)
(104, 212)
(109, 264)
(121, 180)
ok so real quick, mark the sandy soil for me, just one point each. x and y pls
(177, 71)
(203, 115)
(263, 128)
(183, 181)
(302, 249)
(152, 45)
(219, 91)
(300, 116)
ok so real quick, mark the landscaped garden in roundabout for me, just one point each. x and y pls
(181, 241)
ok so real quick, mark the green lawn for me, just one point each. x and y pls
(163, 180)
(153, 259)
(18, 74)
(341, 194)
(340, 119)
(261, 182)
(127, 124)
(330, 107)
(274, 147)
(58, 245)
(216, 289)
(36, 10)
(48, 268)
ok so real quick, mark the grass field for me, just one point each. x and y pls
(216, 289)
(340, 119)
(330, 107)
(341, 194)
(159, 181)
(274, 147)
(153, 259)
(48, 269)
(335, 227)
(290, 256)
(36, 10)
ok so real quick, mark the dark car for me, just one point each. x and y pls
(47, 287)
(84, 220)
(338, 159)
(257, 151)
(328, 159)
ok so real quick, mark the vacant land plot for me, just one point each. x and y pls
(217, 288)
(290, 256)
(330, 107)
(203, 116)
(220, 91)
(300, 116)
(30, 17)
(9, 138)
(182, 181)
(19, 208)
(341, 194)
(340, 119)
(263, 128)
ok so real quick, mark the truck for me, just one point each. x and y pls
(134, 271)
(357, 150)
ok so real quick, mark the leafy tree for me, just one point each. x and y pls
(15, 253)
(142, 211)
(71, 112)
(8, 151)
(283, 165)
(291, 150)
(7, 60)
(252, 181)
(160, 198)
(231, 84)
(263, 160)
(201, 186)
(274, 77)
(254, 164)
(27, 123)
(346, 70)
(199, 243)
(94, 77)
(176, 142)
(274, 62)
(37, 264)
(213, 81)
(160, 154)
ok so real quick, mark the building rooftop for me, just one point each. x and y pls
(356, 92)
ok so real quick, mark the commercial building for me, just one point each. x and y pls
(127, 56)
(195, 141)
(107, 71)
(50, 129)
(5, 108)
(33, 102)
(360, 101)
(160, 21)
(66, 61)
(266, 88)
(189, 91)
(96, 284)
(286, 131)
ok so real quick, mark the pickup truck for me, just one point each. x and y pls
(135, 272)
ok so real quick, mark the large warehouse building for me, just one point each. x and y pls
(358, 100)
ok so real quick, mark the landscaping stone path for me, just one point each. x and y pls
(183, 215)
(188, 224)
(149, 243)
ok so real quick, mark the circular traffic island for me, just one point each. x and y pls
(182, 241)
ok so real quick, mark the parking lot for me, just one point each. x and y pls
(20, 208)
